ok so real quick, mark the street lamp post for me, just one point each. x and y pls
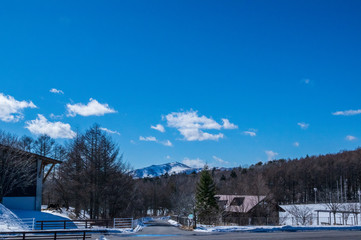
(359, 202)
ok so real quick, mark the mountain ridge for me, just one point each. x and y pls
(161, 169)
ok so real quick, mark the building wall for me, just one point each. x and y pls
(21, 203)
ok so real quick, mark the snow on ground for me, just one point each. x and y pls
(101, 238)
(274, 228)
(62, 212)
(67, 213)
(174, 223)
(41, 216)
(9, 221)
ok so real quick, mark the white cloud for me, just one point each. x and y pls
(53, 116)
(167, 143)
(53, 129)
(148, 139)
(296, 144)
(220, 160)
(191, 126)
(303, 125)
(350, 138)
(195, 163)
(11, 109)
(347, 112)
(270, 155)
(158, 127)
(93, 108)
(154, 139)
(250, 132)
(306, 81)
(168, 157)
(228, 125)
(109, 131)
(57, 91)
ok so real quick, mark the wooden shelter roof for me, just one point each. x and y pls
(46, 160)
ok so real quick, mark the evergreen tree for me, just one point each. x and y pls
(206, 203)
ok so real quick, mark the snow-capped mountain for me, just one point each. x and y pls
(158, 170)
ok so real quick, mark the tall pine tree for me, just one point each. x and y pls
(206, 203)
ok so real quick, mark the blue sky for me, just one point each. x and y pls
(231, 82)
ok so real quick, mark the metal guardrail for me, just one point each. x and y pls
(29, 222)
(71, 224)
(123, 223)
(46, 235)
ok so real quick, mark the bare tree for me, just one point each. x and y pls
(94, 177)
(16, 166)
(44, 146)
(350, 208)
(26, 143)
(333, 205)
(302, 214)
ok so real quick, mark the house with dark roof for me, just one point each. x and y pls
(248, 209)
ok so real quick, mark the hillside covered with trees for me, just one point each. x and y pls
(94, 178)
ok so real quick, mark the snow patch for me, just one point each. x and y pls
(174, 223)
(102, 238)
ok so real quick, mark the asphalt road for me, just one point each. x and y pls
(161, 230)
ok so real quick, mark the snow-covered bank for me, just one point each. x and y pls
(9, 221)
(275, 228)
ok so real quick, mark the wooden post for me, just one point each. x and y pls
(84, 235)
(318, 218)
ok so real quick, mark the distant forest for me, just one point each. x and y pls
(94, 178)
(324, 178)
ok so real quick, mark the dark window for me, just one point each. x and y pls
(238, 201)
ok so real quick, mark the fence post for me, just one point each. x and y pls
(42, 225)
(113, 222)
(64, 224)
(86, 224)
(33, 226)
(84, 235)
(55, 236)
(23, 236)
